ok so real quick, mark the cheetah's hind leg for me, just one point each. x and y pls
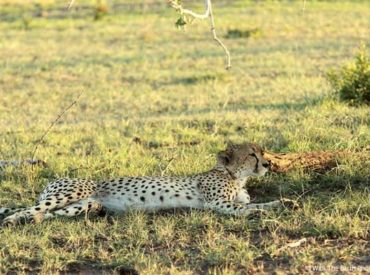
(73, 210)
(4, 211)
(36, 213)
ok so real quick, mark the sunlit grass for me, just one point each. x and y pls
(144, 80)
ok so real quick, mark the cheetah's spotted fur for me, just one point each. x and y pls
(220, 189)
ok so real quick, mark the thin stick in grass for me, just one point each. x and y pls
(38, 142)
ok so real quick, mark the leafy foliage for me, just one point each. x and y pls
(181, 22)
(352, 81)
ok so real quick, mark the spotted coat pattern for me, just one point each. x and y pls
(220, 189)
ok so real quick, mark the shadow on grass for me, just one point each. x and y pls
(300, 186)
(98, 268)
(79, 11)
(288, 106)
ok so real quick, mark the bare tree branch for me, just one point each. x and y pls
(179, 8)
(70, 4)
(304, 6)
(213, 30)
(207, 14)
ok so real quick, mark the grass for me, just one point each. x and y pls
(144, 80)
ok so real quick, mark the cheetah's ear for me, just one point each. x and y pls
(225, 157)
(230, 146)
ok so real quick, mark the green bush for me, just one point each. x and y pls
(352, 82)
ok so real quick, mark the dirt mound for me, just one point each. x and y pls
(313, 161)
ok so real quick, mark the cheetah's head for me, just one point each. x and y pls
(243, 160)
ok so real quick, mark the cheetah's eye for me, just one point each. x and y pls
(254, 155)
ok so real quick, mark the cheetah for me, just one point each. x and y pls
(220, 189)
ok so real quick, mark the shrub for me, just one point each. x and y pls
(352, 82)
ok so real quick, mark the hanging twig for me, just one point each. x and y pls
(304, 6)
(207, 14)
(179, 8)
(70, 4)
(213, 29)
(38, 142)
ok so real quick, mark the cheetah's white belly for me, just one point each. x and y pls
(124, 203)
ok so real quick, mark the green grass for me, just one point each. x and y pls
(143, 78)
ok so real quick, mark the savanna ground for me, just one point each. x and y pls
(157, 100)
